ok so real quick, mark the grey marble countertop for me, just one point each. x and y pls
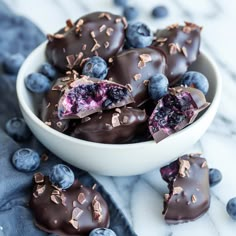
(140, 197)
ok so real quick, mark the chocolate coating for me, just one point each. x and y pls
(98, 33)
(75, 211)
(188, 182)
(135, 67)
(180, 45)
(115, 126)
(49, 107)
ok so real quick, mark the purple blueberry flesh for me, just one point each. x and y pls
(102, 232)
(139, 35)
(158, 86)
(62, 176)
(85, 97)
(215, 176)
(231, 208)
(169, 172)
(26, 160)
(175, 111)
(197, 80)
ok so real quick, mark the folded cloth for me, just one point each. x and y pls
(19, 35)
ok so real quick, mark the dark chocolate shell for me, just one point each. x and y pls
(189, 194)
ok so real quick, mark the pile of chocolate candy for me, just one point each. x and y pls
(116, 82)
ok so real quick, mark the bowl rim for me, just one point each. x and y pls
(20, 82)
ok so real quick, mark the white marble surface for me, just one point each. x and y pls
(140, 197)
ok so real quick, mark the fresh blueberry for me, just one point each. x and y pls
(139, 35)
(95, 67)
(231, 208)
(62, 176)
(26, 160)
(102, 232)
(37, 83)
(17, 129)
(158, 86)
(12, 63)
(120, 2)
(130, 13)
(48, 70)
(215, 176)
(159, 12)
(196, 80)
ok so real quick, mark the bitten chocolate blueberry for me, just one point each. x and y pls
(75, 211)
(87, 96)
(188, 183)
(96, 34)
(175, 111)
(134, 68)
(180, 45)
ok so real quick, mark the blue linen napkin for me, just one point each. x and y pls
(19, 35)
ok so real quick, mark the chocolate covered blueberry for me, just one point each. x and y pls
(180, 45)
(175, 111)
(134, 68)
(120, 125)
(74, 211)
(86, 96)
(96, 34)
(188, 183)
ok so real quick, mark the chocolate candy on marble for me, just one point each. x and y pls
(75, 211)
(180, 45)
(175, 111)
(86, 96)
(134, 68)
(189, 194)
(96, 34)
(120, 125)
(49, 108)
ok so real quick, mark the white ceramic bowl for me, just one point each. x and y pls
(116, 159)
